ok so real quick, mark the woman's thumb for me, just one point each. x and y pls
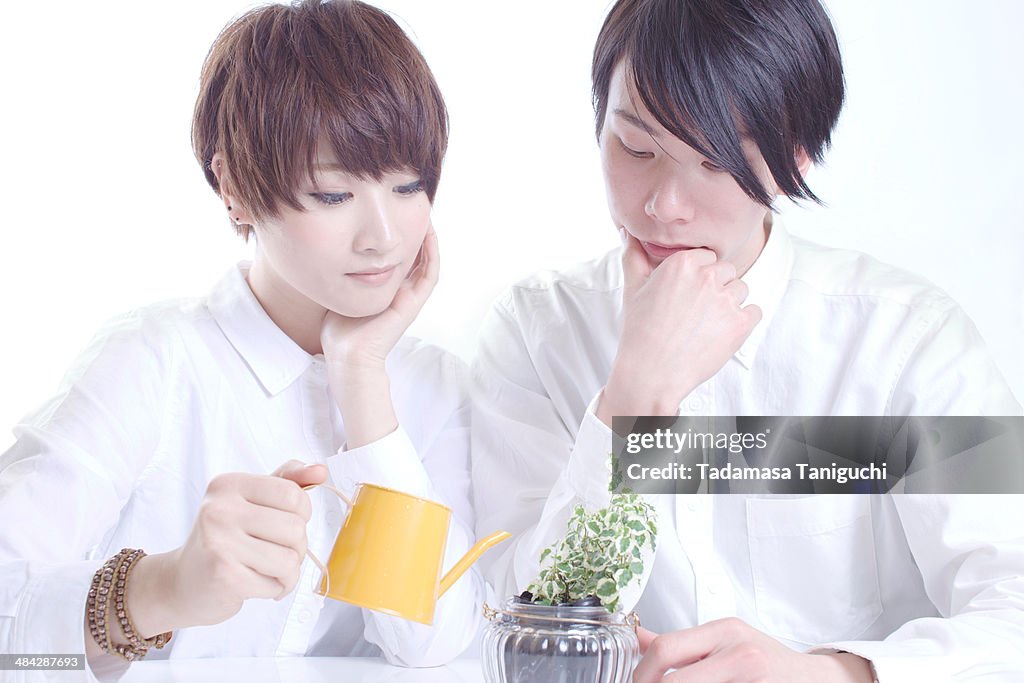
(301, 473)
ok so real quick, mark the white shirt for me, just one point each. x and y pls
(928, 587)
(166, 398)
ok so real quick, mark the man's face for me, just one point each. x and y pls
(668, 195)
(354, 243)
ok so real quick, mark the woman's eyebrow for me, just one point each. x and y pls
(636, 121)
(330, 168)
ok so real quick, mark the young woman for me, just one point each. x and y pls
(706, 113)
(187, 428)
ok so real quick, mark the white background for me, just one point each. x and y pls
(105, 209)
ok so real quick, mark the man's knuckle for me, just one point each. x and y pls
(659, 649)
(221, 483)
(732, 625)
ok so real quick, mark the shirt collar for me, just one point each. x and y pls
(767, 281)
(273, 357)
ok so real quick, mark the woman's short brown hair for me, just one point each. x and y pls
(283, 78)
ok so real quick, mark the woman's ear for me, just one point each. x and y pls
(239, 214)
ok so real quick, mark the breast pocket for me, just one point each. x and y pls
(813, 566)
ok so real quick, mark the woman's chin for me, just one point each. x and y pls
(362, 309)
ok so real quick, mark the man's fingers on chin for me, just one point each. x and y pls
(754, 313)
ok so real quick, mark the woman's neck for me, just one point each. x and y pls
(298, 316)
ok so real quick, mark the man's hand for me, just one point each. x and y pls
(681, 322)
(729, 650)
(355, 350)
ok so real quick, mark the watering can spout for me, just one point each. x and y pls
(469, 558)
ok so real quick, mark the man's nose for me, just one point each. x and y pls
(671, 200)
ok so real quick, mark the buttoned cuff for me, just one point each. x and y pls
(50, 617)
(391, 461)
(888, 667)
(589, 469)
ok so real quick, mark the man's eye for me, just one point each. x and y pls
(411, 188)
(712, 166)
(331, 198)
(635, 153)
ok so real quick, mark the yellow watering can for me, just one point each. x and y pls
(388, 554)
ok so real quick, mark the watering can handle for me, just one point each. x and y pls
(324, 574)
(469, 558)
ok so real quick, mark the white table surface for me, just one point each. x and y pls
(298, 669)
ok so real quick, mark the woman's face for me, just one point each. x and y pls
(352, 245)
(668, 195)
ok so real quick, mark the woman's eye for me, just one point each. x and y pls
(635, 153)
(712, 166)
(410, 188)
(331, 198)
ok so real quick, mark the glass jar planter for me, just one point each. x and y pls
(526, 643)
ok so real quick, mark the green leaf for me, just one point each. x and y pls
(606, 588)
(623, 577)
(636, 567)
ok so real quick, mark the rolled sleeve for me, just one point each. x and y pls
(391, 461)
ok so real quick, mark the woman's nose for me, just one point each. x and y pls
(377, 231)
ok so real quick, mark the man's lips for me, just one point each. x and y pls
(663, 251)
(373, 276)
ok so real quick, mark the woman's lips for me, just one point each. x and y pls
(373, 276)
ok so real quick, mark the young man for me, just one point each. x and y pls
(706, 112)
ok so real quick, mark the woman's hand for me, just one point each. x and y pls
(731, 650)
(362, 344)
(356, 349)
(248, 541)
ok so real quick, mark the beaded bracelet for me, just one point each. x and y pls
(108, 583)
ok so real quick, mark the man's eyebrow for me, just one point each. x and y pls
(636, 121)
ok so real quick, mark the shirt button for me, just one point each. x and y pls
(714, 588)
(692, 506)
(696, 404)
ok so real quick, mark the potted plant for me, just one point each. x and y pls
(566, 626)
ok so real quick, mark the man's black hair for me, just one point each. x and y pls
(714, 71)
